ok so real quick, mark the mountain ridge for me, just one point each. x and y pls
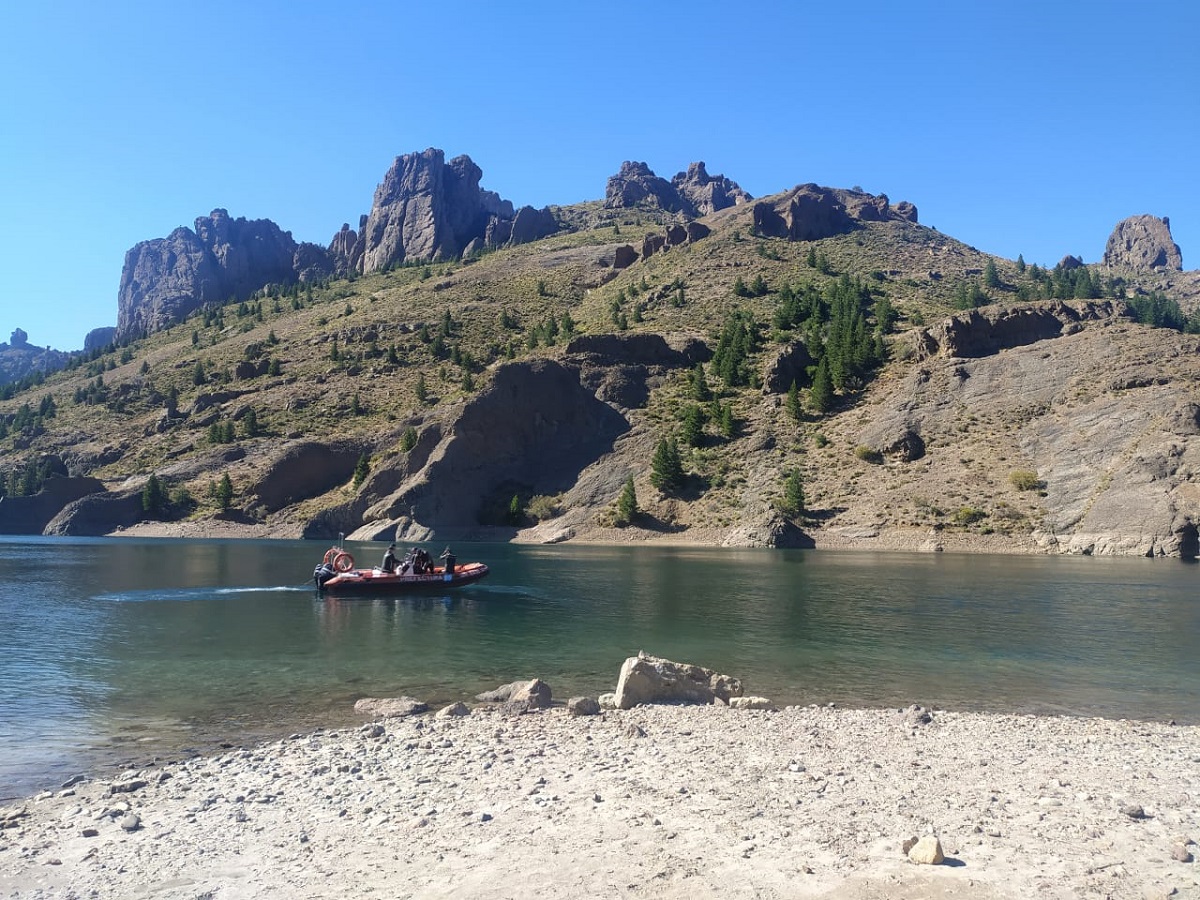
(306, 394)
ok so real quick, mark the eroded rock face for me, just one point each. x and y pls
(706, 193)
(693, 193)
(303, 470)
(1143, 243)
(165, 279)
(98, 338)
(990, 329)
(427, 209)
(30, 515)
(650, 679)
(810, 212)
(536, 425)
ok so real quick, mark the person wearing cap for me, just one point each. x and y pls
(389, 560)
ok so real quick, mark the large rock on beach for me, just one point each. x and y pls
(649, 679)
(390, 707)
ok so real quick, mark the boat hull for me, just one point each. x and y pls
(364, 582)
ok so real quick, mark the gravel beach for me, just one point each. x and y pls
(655, 801)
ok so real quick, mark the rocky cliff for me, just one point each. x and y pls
(19, 358)
(693, 193)
(165, 279)
(1143, 243)
(810, 212)
(429, 209)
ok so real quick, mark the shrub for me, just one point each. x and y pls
(627, 505)
(1025, 480)
(542, 507)
(409, 439)
(868, 454)
(968, 515)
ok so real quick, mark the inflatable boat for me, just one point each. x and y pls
(336, 575)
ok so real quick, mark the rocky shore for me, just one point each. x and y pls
(653, 801)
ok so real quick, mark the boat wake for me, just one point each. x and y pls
(197, 593)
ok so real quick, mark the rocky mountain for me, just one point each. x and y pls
(165, 279)
(1143, 243)
(19, 358)
(512, 394)
(424, 209)
(693, 193)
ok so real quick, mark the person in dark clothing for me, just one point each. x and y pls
(389, 560)
(450, 560)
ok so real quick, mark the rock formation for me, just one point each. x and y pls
(1143, 243)
(427, 209)
(224, 259)
(693, 193)
(810, 212)
(650, 679)
(985, 331)
(98, 338)
(19, 358)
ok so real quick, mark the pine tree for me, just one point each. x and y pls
(793, 494)
(1021, 263)
(692, 430)
(699, 385)
(820, 395)
(153, 497)
(361, 469)
(666, 468)
(421, 390)
(792, 403)
(409, 439)
(990, 276)
(627, 504)
(515, 513)
(223, 493)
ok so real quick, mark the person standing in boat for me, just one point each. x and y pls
(389, 560)
(450, 560)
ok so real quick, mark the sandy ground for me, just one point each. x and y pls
(662, 801)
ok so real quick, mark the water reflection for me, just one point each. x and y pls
(113, 641)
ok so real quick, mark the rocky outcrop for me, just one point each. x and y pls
(650, 679)
(19, 358)
(536, 426)
(165, 279)
(693, 193)
(810, 212)
(990, 329)
(427, 209)
(622, 369)
(1143, 243)
(98, 514)
(704, 193)
(99, 338)
(303, 470)
(31, 515)
(787, 367)
(1102, 412)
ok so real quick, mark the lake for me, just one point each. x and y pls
(115, 650)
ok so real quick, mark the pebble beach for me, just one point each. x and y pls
(655, 801)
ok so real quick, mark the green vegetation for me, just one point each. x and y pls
(1025, 480)
(666, 468)
(627, 505)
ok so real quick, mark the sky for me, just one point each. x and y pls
(1018, 127)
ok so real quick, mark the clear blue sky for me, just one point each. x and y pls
(1018, 127)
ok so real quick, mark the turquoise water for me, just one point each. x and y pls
(115, 649)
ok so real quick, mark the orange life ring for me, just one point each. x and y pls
(330, 554)
(343, 562)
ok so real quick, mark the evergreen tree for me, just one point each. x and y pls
(725, 421)
(692, 430)
(361, 469)
(409, 439)
(666, 468)
(198, 373)
(154, 498)
(793, 494)
(820, 395)
(250, 423)
(421, 390)
(223, 493)
(515, 513)
(1021, 263)
(627, 504)
(699, 389)
(991, 277)
(792, 403)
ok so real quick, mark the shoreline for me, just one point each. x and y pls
(657, 801)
